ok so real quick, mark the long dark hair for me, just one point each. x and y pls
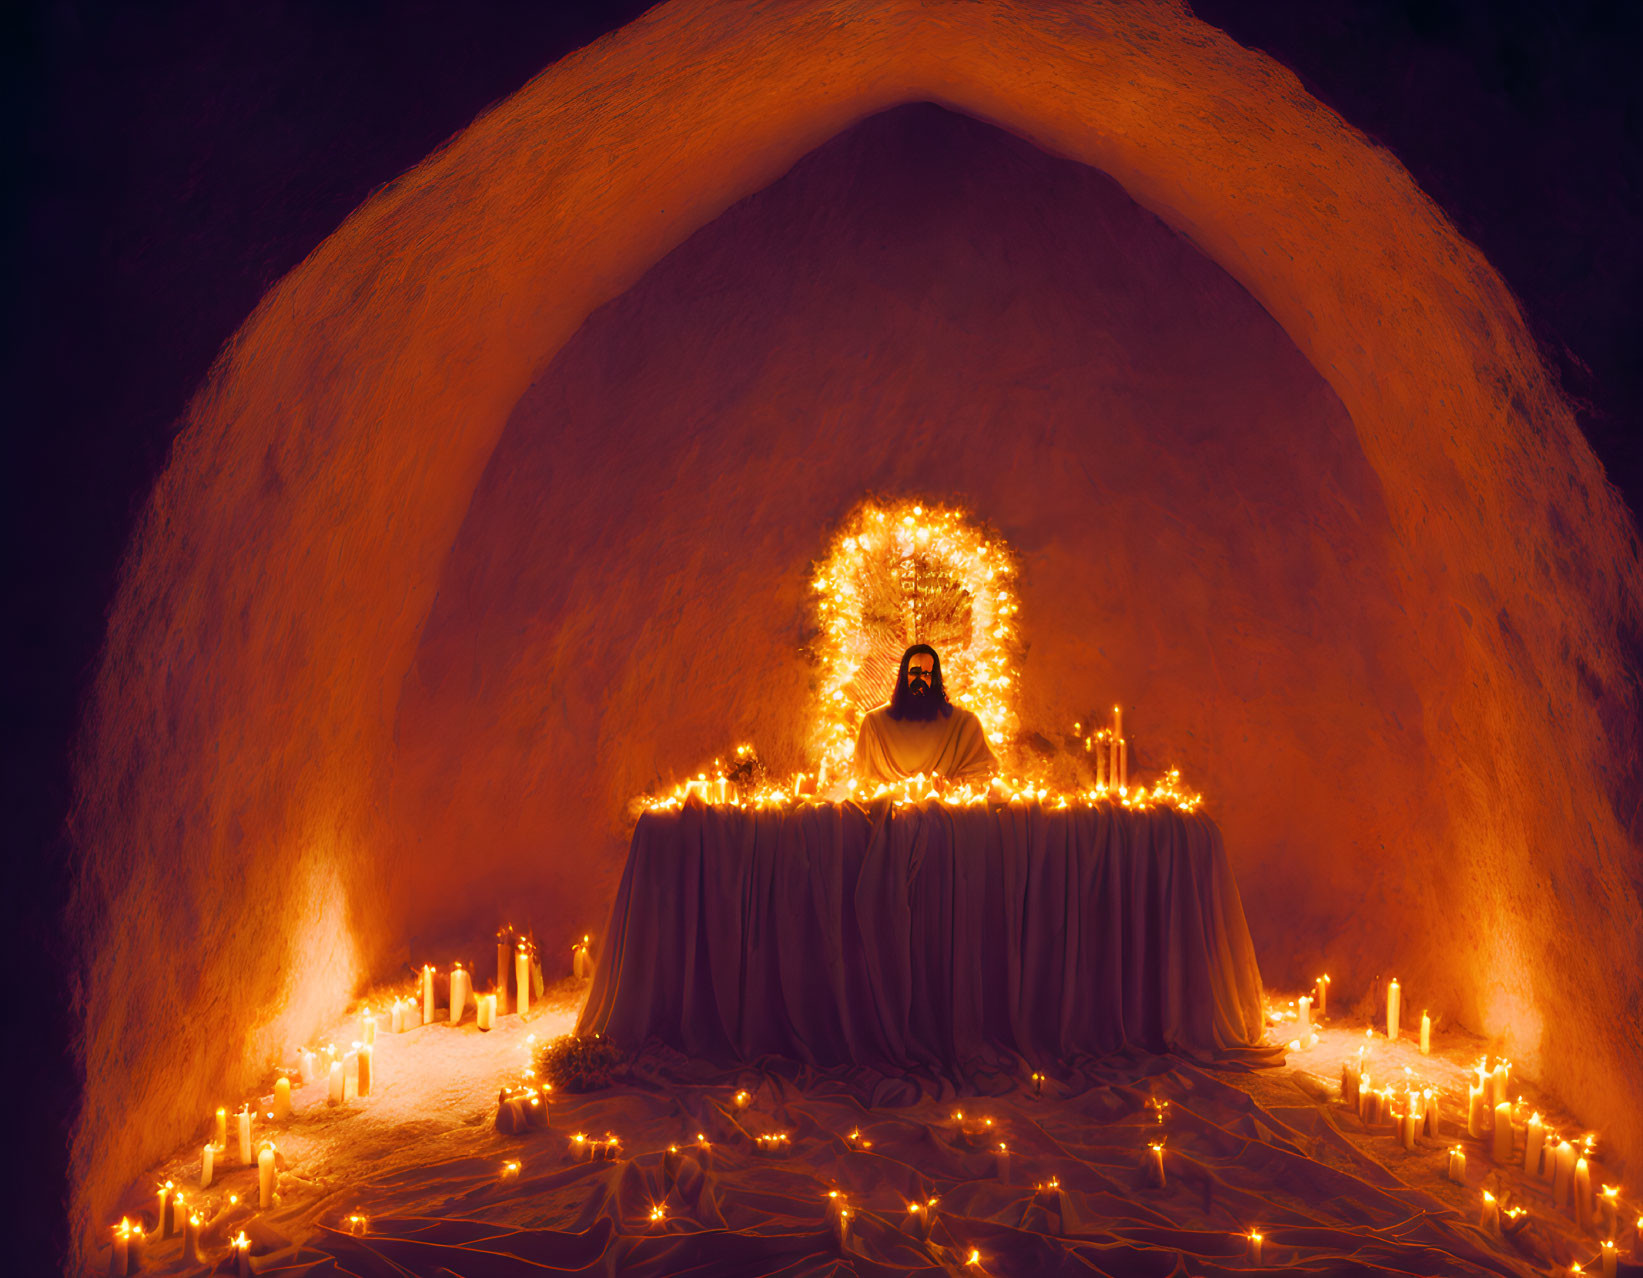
(900, 702)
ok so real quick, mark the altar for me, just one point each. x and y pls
(927, 935)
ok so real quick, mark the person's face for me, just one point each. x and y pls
(918, 674)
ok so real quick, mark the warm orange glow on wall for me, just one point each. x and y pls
(242, 740)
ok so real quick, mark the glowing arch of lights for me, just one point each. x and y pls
(908, 571)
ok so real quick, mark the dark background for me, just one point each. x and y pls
(169, 162)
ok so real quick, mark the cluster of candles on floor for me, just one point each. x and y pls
(1521, 1145)
(350, 1076)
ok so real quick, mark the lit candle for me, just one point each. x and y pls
(334, 1097)
(350, 1075)
(1503, 1133)
(1394, 1002)
(1499, 1077)
(742, 1099)
(1038, 1084)
(137, 1250)
(222, 1129)
(1113, 733)
(208, 1165)
(1533, 1136)
(245, 1134)
(1155, 1164)
(1474, 1111)
(1001, 1163)
(704, 1151)
(1351, 1071)
(504, 954)
(487, 1011)
(1457, 1165)
(1303, 1018)
(581, 1148)
(1432, 1114)
(265, 1178)
(582, 960)
(1610, 1258)
(163, 1226)
(917, 1221)
(367, 1068)
(841, 1225)
(460, 985)
(522, 977)
(1489, 1216)
(1426, 1034)
(1563, 1175)
(1608, 1208)
(427, 994)
(1583, 1195)
(1123, 765)
(1548, 1157)
(396, 1017)
(120, 1260)
(191, 1239)
(1411, 1121)
(1323, 995)
(242, 1255)
(671, 1159)
(1366, 1097)
(1255, 1241)
(282, 1099)
(368, 1028)
(510, 1169)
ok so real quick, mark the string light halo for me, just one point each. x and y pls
(900, 571)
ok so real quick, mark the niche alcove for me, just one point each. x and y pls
(465, 542)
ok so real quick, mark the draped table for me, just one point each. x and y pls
(926, 935)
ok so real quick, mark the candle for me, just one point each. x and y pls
(1350, 1072)
(265, 1178)
(1038, 1084)
(460, 985)
(1394, 1002)
(282, 1099)
(582, 960)
(1583, 1195)
(1001, 1163)
(222, 1129)
(1432, 1114)
(1255, 1241)
(581, 1148)
(427, 994)
(1533, 1136)
(208, 1165)
(1411, 1121)
(245, 1134)
(1474, 1111)
(367, 1068)
(670, 1164)
(522, 977)
(504, 955)
(1608, 1208)
(120, 1260)
(396, 1017)
(487, 1011)
(1548, 1157)
(704, 1151)
(1489, 1216)
(1366, 1098)
(1322, 984)
(841, 1225)
(368, 1028)
(1113, 733)
(1503, 1133)
(137, 1249)
(917, 1221)
(350, 1075)
(1426, 1034)
(1457, 1165)
(1155, 1163)
(337, 1084)
(510, 1169)
(1563, 1174)
(163, 1224)
(191, 1239)
(242, 1255)
(742, 1099)
(1610, 1257)
(1303, 1018)
(1123, 765)
(307, 1065)
(1499, 1077)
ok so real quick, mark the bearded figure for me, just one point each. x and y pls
(920, 731)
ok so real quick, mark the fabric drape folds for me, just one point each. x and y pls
(926, 936)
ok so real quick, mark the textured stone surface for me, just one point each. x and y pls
(1422, 640)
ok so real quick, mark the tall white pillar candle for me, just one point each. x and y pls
(427, 994)
(282, 1099)
(1583, 1196)
(265, 1178)
(459, 993)
(1426, 1034)
(222, 1128)
(1563, 1174)
(208, 1165)
(1503, 1133)
(1303, 1019)
(1474, 1111)
(245, 1135)
(522, 978)
(1533, 1136)
(334, 1094)
(1394, 1008)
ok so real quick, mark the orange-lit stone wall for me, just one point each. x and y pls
(414, 606)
